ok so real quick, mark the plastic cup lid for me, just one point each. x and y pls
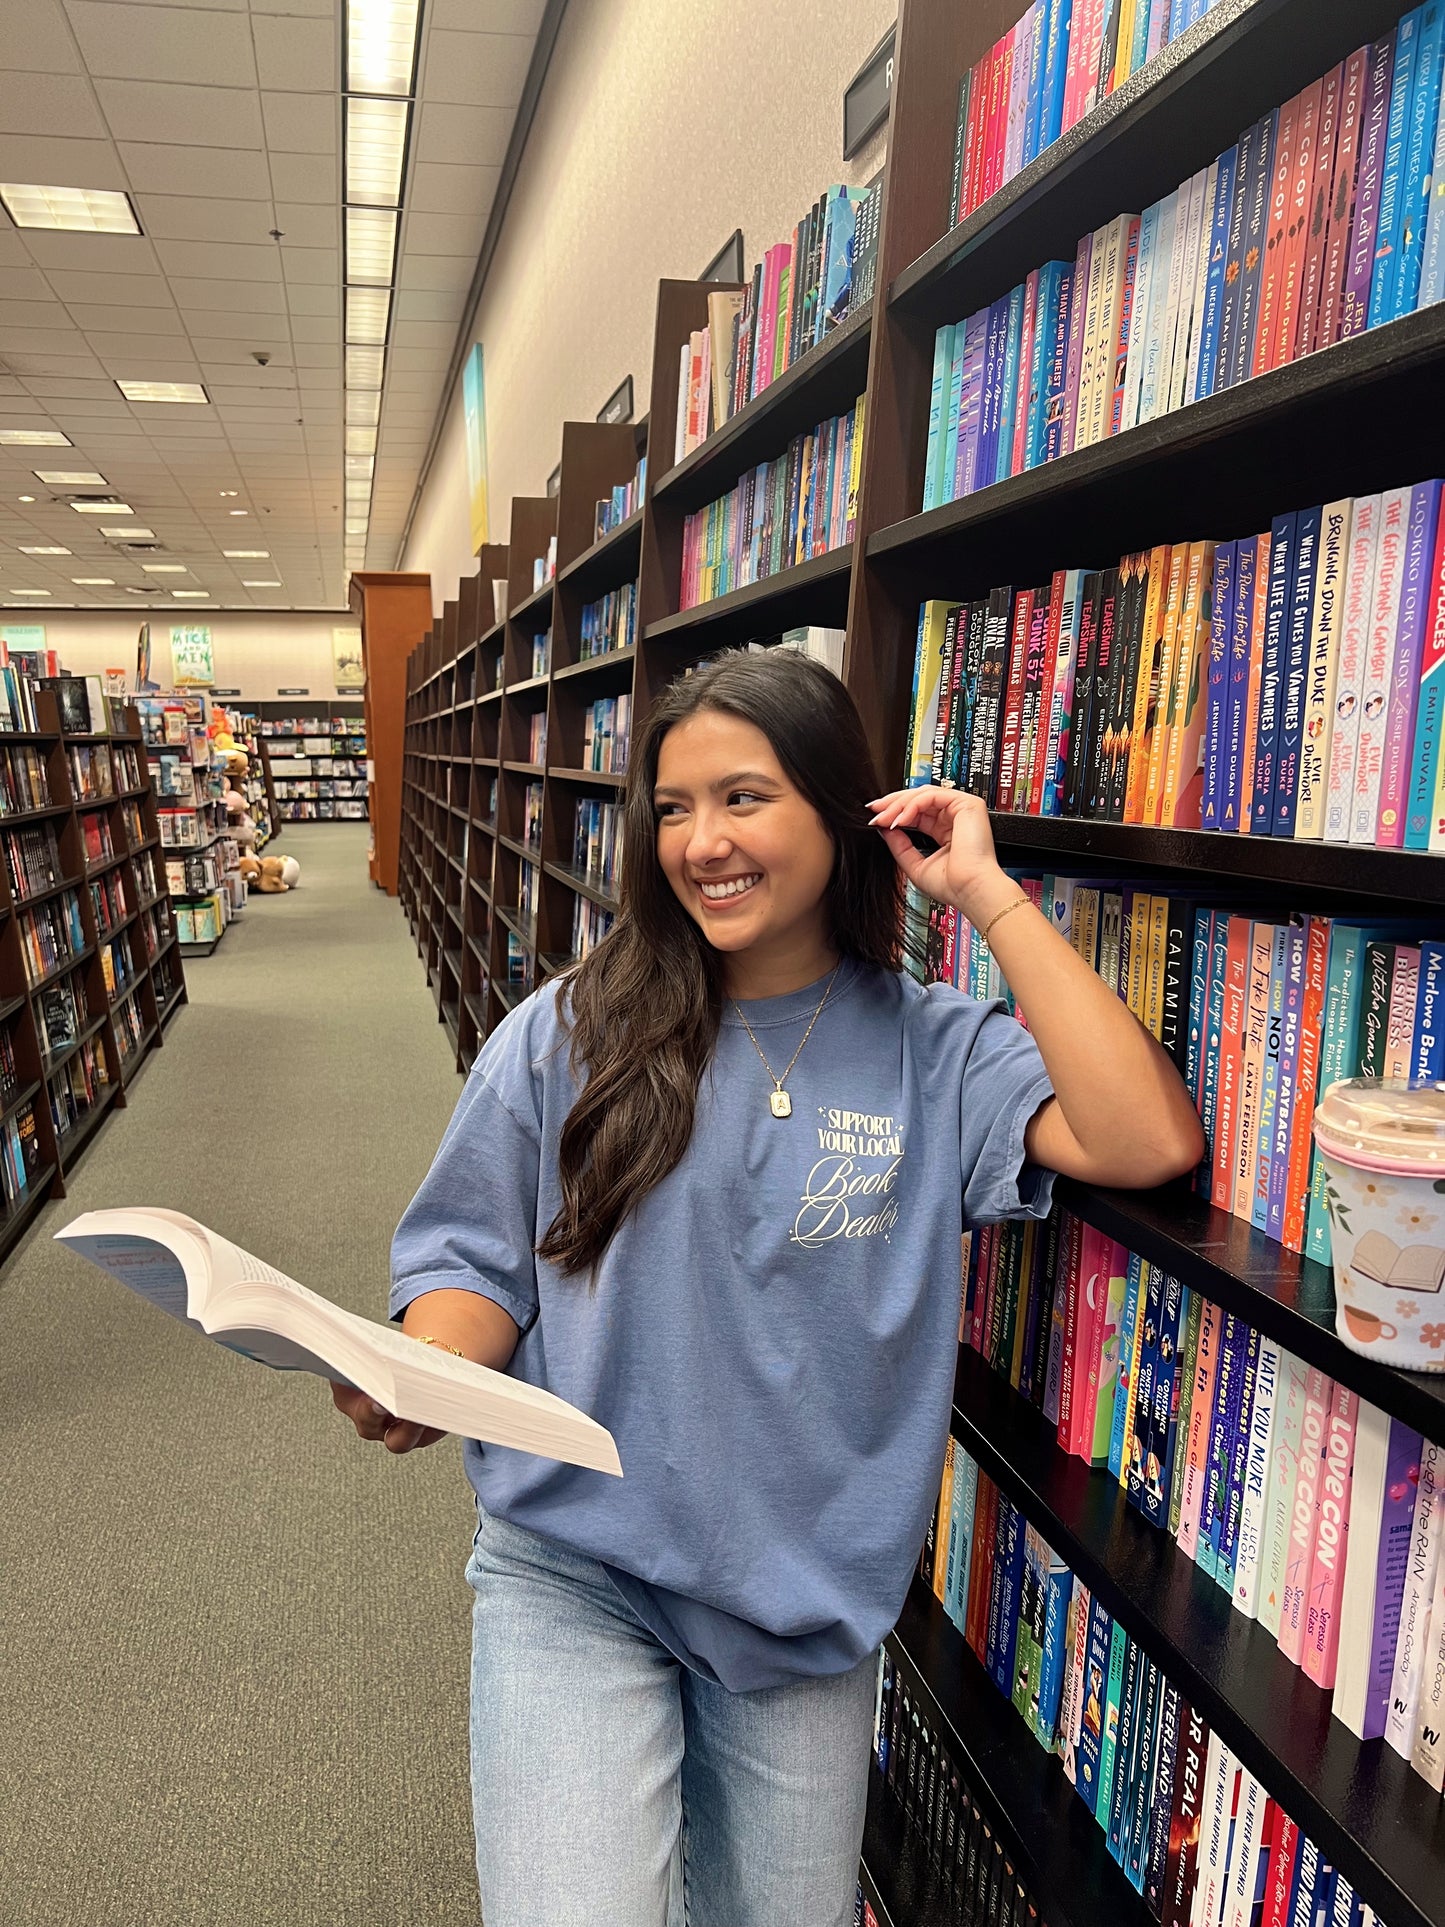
(1383, 1117)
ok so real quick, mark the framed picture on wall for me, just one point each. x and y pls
(350, 669)
(192, 663)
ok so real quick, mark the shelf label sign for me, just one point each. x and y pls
(219, 693)
(618, 405)
(865, 104)
(474, 422)
(192, 663)
(293, 692)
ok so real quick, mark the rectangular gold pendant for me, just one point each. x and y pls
(781, 1104)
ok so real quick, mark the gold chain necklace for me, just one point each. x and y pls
(780, 1104)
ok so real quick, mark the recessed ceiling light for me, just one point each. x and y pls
(358, 527)
(375, 151)
(69, 477)
(259, 585)
(370, 246)
(364, 366)
(230, 491)
(25, 498)
(360, 441)
(190, 595)
(129, 535)
(359, 468)
(30, 592)
(34, 438)
(249, 555)
(368, 310)
(163, 391)
(93, 210)
(380, 46)
(28, 551)
(102, 508)
(363, 410)
(93, 581)
(164, 568)
(240, 511)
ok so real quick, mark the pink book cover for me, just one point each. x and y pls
(1104, 1361)
(1201, 1411)
(1070, 1242)
(774, 261)
(1126, 315)
(1327, 1569)
(1412, 630)
(1077, 73)
(998, 132)
(1046, 693)
(1296, 223)
(1392, 1559)
(1078, 302)
(1093, 1291)
(1400, 1020)
(1026, 362)
(1317, 220)
(1304, 1517)
(983, 1297)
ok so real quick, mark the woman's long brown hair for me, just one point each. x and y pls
(645, 1005)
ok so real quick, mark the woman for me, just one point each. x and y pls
(710, 1189)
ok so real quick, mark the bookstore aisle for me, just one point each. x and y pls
(235, 1638)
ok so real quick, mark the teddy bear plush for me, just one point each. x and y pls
(250, 870)
(271, 881)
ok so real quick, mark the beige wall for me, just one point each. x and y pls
(663, 125)
(253, 653)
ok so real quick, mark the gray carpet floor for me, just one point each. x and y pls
(233, 1637)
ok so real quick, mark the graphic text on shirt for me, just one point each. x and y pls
(851, 1190)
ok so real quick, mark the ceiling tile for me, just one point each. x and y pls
(302, 123)
(193, 217)
(233, 356)
(235, 297)
(36, 38)
(231, 261)
(131, 347)
(263, 331)
(38, 341)
(308, 227)
(405, 360)
(471, 136)
(316, 327)
(59, 162)
(437, 271)
(313, 178)
(105, 316)
(438, 188)
(446, 233)
(163, 43)
(41, 365)
(191, 116)
(123, 290)
(297, 54)
(312, 267)
(426, 304)
(227, 173)
(477, 69)
(497, 16)
(39, 103)
(318, 300)
(438, 336)
(31, 314)
(93, 253)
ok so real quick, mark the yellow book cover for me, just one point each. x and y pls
(1251, 1066)
(1124, 52)
(1154, 968)
(1159, 735)
(1085, 935)
(1146, 689)
(926, 693)
(1326, 623)
(1184, 782)
(1026, 1266)
(1134, 1356)
(855, 471)
(1138, 950)
(945, 1517)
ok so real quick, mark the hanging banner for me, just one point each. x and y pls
(474, 413)
(192, 665)
(350, 671)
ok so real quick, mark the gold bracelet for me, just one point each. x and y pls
(1016, 904)
(438, 1343)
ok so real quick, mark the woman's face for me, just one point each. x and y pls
(747, 855)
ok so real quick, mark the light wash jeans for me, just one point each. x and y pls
(610, 1783)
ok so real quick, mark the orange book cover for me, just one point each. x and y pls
(1307, 1070)
(1297, 222)
(1159, 735)
(1146, 688)
(1271, 278)
(1184, 786)
(1256, 676)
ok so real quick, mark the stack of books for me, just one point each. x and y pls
(24, 784)
(780, 514)
(610, 622)
(597, 841)
(607, 734)
(1289, 684)
(625, 500)
(1045, 73)
(1317, 224)
(590, 924)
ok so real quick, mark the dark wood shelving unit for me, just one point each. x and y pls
(1361, 414)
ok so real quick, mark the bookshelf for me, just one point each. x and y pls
(392, 609)
(257, 787)
(76, 1026)
(201, 856)
(1359, 415)
(327, 782)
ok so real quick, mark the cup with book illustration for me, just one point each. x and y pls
(1382, 1144)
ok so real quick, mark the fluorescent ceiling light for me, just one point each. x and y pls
(363, 366)
(93, 581)
(230, 491)
(129, 535)
(358, 527)
(30, 592)
(363, 409)
(360, 441)
(25, 498)
(69, 477)
(375, 152)
(164, 568)
(34, 438)
(370, 246)
(191, 595)
(163, 391)
(26, 551)
(380, 46)
(240, 511)
(359, 467)
(249, 555)
(102, 508)
(93, 210)
(368, 310)
(259, 585)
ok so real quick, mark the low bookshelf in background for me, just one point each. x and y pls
(89, 974)
(315, 759)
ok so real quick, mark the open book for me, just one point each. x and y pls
(247, 1306)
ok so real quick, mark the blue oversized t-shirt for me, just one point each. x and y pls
(773, 1333)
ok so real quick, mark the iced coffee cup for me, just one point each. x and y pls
(1382, 1142)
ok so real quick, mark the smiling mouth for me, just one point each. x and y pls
(731, 889)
